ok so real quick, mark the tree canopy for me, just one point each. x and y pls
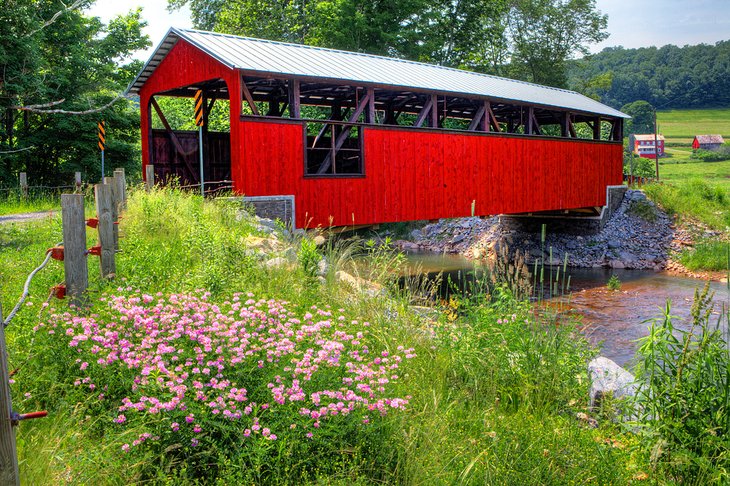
(667, 77)
(56, 62)
(530, 40)
(642, 117)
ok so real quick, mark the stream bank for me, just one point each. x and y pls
(613, 319)
(639, 235)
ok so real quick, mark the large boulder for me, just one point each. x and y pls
(609, 379)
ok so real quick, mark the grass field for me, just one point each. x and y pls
(682, 125)
(715, 173)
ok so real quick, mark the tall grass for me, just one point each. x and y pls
(695, 198)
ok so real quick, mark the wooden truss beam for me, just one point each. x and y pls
(337, 145)
(246, 95)
(175, 141)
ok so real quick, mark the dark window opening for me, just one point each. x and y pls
(333, 149)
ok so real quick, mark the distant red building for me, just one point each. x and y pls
(707, 142)
(643, 145)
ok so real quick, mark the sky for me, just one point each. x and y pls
(644, 23)
(631, 23)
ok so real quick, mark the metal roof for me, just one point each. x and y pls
(267, 56)
(710, 139)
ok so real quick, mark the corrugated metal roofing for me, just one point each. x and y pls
(293, 59)
(711, 139)
(648, 137)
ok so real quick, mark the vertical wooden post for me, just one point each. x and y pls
(434, 111)
(487, 123)
(597, 128)
(8, 452)
(294, 95)
(24, 185)
(103, 195)
(74, 246)
(121, 180)
(371, 106)
(77, 181)
(115, 208)
(149, 178)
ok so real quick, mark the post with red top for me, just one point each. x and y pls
(8, 452)
(74, 246)
(105, 227)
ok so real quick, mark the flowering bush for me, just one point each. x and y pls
(181, 370)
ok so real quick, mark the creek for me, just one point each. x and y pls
(613, 320)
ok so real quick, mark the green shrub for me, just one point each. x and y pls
(613, 283)
(710, 155)
(683, 399)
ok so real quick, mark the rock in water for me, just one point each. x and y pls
(608, 378)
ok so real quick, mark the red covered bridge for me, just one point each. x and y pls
(360, 139)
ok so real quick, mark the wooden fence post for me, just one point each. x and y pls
(121, 181)
(115, 208)
(8, 451)
(77, 181)
(103, 195)
(149, 179)
(24, 185)
(74, 246)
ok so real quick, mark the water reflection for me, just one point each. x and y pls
(615, 319)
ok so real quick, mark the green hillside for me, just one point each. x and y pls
(682, 125)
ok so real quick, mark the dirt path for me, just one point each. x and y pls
(25, 217)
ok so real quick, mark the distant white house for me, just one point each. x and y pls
(643, 145)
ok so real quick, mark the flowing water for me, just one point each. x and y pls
(612, 319)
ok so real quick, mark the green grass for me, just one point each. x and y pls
(683, 125)
(708, 255)
(12, 203)
(494, 389)
(716, 173)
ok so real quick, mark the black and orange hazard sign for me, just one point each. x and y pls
(199, 108)
(102, 135)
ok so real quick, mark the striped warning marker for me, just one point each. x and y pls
(102, 135)
(199, 118)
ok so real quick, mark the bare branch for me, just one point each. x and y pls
(73, 6)
(41, 108)
(7, 152)
(38, 107)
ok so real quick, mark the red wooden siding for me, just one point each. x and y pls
(412, 175)
(186, 65)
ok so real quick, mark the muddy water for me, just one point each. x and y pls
(613, 320)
